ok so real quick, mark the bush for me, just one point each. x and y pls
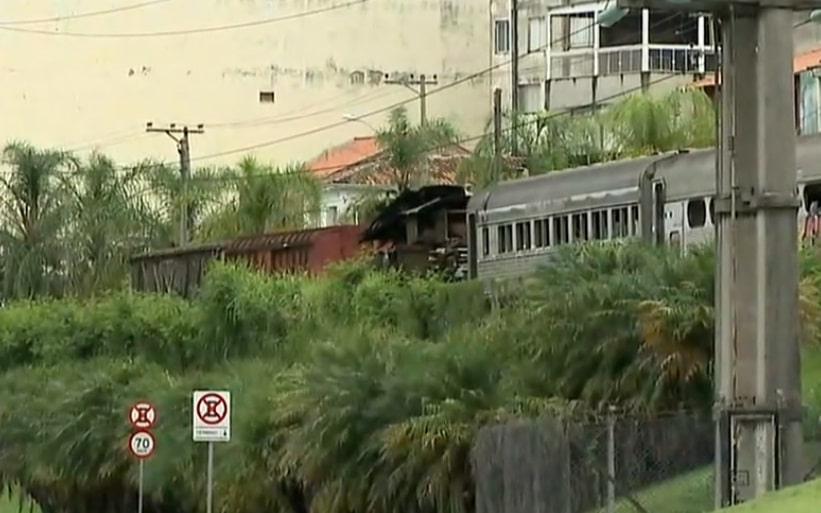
(359, 391)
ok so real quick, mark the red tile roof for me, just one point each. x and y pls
(357, 151)
(361, 161)
(802, 62)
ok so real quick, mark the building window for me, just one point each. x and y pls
(530, 98)
(501, 38)
(536, 36)
(332, 216)
(580, 30)
(266, 97)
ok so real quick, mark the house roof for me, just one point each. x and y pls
(361, 161)
(343, 156)
(802, 62)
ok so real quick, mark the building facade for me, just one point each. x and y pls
(268, 77)
(571, 62)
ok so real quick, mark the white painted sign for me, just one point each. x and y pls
(212, 416)
(141, 444)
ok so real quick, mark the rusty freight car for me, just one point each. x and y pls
(180, 270)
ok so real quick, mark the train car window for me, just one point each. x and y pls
(712, 210)
(523, 240)
(541, 233)
(485, 242)
(621, 223)
(598, 222)
(561, 233)
(505, 238)
(579, 222)
(634, 221)
(696, 213)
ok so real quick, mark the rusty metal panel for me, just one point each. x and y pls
(178, 270)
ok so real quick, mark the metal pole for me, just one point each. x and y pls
(140, 487)
(611, 461)
(514, 76)
(209, 492)
(757, 353)
(497, 135)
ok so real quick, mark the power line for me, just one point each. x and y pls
(88, 14)
(219, 28)
(388, 108)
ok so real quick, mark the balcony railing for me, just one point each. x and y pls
(620, 60)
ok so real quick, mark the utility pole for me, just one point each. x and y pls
(184, 150)
(422, 82)
(758, 408)
(758, 395)
(497, 135)
(514, 76)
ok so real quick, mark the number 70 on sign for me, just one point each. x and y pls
(142, 444)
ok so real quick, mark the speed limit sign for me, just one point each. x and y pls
(141, 444)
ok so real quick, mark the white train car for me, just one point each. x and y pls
(513, 226)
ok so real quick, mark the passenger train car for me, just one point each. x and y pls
(665, 198)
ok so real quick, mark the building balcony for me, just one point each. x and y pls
(629, 59)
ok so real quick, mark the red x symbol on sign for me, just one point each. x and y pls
(211, 409)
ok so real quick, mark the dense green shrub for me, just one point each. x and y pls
(360, 391)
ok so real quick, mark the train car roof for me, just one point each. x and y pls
(687, 174)
(608, 176)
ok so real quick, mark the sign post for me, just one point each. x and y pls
(141, 443)
(212, 423)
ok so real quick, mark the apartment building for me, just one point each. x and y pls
(267, 77)
(572, 62)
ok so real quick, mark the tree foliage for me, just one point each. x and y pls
(359, 391)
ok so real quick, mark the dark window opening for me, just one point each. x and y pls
(634, 214)
(696, 213)
(505, 238)
(626, 32)
(674, 28)
(485, 242)
(523, 236)
(561, 233)
(579, 222)
(267, 97)
(541, 232)
(599, 221)
(621, 223)
(812, 194)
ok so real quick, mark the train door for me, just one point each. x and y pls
(674, 229)
(652, 199)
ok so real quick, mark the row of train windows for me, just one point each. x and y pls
(602, 224)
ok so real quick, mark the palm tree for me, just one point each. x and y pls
(110, 220)
(34, 220)
(642, 124)
(170, 194)
(260, 198)
(408, 146)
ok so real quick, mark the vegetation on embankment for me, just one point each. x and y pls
(359, 391)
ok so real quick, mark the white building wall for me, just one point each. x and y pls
(79, 92)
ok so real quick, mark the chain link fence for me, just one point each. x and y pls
(616, 464)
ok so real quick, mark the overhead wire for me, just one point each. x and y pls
(203, 30)
(402, 103)
(88, 14)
